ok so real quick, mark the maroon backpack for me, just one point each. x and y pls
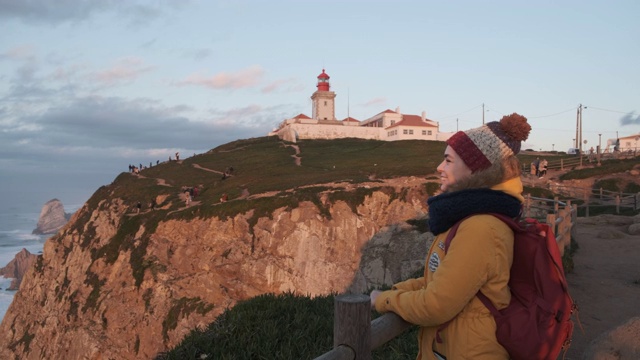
(537, 322)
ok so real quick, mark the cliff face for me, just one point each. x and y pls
(113, 285)
(17, 267)
(52, 218)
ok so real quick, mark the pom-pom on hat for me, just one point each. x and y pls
(481, 147)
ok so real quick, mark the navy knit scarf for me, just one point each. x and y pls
(448, 208)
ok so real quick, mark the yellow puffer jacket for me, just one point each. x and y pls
(479, 258)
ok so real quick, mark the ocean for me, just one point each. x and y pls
(16, 224)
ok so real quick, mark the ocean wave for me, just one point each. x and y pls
(27, 236)
(11, 232)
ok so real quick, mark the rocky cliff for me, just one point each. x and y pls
(17, 267)
(52, 218)
(117, 284)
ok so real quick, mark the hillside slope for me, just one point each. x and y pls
(124, 282)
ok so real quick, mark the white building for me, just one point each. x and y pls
(387, 125)
(625, 143)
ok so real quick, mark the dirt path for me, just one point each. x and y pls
(296, 156)
(605, 281)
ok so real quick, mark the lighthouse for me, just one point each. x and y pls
(323, 99)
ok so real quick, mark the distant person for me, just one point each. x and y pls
(157, 162)
(187, 197)
(533, 168)
(480, 174)
(177, 156)
(537, 164)
(224, 198)
(153, 203)
(543, 168)
(138, 207)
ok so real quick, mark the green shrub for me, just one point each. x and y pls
(285, 326)
(608, 185)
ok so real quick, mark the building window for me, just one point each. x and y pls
(429, 132)
(424, 132)
(325, 103)
(405, 131)
(410, 132)
(393, 122)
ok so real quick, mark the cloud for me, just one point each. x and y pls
(245, 78)
(22, 52)
(124, 70)
(65, 11)
(630, 119)
(283, 85)
(97, 131)
(375, 102)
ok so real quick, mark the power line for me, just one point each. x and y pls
(558, 113)
(615, 111)
(473, 108)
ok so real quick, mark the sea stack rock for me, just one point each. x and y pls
(52, 218)
(16, 268)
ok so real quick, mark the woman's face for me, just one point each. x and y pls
(452, 169)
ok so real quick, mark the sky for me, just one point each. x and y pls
(89, 87)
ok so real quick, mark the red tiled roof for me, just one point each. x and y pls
(350, 119)
(301, 116)
(413, 120)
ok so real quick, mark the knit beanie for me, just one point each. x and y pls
(481, 147)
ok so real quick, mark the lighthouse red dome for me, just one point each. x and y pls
(324, 75)
(323, 81)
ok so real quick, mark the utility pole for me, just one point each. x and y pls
(482, 113)
(599, 147)
(578, 144)
(456, 124)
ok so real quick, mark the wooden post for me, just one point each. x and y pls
(551, 221)
(561, 164)
(574, 220)
(352, 324)
(600, 193)
(617, 204)
(586, 204)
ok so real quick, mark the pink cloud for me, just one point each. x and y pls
(244, 78)
(287, 85)
(125, 69)
(376, 101)
(19, 52)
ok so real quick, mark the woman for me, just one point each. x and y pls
(480, 174)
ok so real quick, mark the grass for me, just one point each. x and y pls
(284, 326)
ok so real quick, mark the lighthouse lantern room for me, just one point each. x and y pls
(323, 99)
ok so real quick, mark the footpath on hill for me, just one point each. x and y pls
(605, 283)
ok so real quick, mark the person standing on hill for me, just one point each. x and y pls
(543, 168)
(480, 174)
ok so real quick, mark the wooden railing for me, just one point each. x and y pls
(355, 336)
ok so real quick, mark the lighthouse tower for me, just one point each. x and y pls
(323, 100)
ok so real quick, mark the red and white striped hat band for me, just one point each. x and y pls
(481, 147)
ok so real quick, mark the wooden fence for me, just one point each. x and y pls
(589, 198)
(355, 336)
(579, 161)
